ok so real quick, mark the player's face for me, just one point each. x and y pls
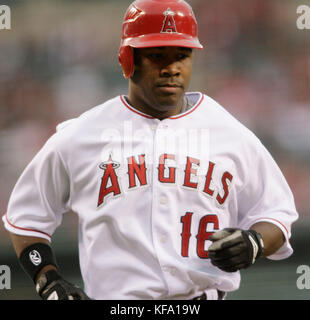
(162, 75)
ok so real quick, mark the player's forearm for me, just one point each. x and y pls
(22, 242)
(272, 236)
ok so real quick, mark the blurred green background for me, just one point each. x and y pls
(60, 58)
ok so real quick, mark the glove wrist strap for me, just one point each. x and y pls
(259, 243)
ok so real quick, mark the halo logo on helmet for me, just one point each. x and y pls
(169, 23)
(156, 23)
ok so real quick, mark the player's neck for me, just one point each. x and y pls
(145, 108)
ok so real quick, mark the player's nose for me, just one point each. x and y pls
(170, 70)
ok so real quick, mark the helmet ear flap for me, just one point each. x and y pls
(126, 60)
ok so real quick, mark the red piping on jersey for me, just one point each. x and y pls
(171, 118)
(189, 111)
(25, 229)
(267, 218)
(135, 111)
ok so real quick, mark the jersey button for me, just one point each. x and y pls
(173, 271)
(163, 200)
(163, 239)
(165, 269)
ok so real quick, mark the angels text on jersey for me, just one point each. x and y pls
(137, 177)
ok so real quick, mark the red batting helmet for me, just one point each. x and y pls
(156, 23)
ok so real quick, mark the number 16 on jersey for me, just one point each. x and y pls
(202, 234)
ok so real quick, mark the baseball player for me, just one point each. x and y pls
(174, 195)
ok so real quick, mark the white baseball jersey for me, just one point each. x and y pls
(148, 194)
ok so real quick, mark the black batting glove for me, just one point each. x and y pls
(51, 286)
(234, 249)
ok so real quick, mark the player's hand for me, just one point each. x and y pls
(234, 249)
(51, 286)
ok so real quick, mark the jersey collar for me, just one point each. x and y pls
(177, 116)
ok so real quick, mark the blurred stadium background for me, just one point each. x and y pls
(60, 58)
